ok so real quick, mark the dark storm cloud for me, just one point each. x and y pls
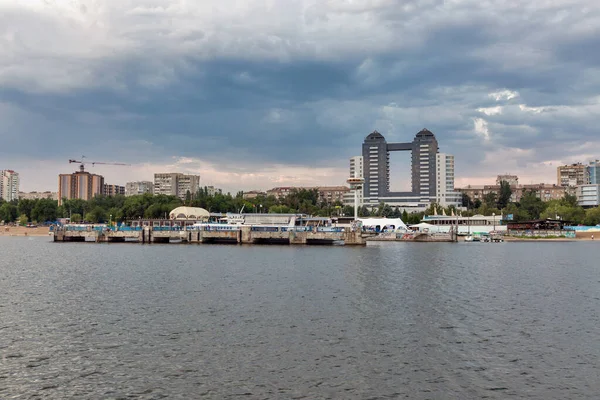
(292, 93)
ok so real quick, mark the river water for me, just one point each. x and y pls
(390, 320)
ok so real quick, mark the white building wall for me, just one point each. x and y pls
(356, 171)
(445, 194)
(9, 185)
(588, 195)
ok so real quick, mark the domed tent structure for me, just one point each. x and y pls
(189, 213)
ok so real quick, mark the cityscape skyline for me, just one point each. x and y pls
(283, 98)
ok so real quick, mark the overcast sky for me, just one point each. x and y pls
(255, 94)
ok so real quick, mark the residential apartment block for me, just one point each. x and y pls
(176, 184)
(572, 175)
(356, 171)
(38, 195)
(328, 194)
(140, 187)
(79, 185)
(544, 191)
(113, 190)
(513, 180)
(9, 185)
(445, 193)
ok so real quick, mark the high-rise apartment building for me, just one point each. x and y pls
(376, 159)
(113, 190)
(176, 184)
(79, 185)
(356, 171)
(594, 172)
(446, 195)
(9, 185)
(141, 187)
(572, 175)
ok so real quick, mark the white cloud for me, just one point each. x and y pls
(504, 95)
(491, 110)
(480, 127)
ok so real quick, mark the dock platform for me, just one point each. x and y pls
(243, 234)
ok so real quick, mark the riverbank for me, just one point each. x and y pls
(23, 231)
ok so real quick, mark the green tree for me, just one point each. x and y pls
(96, 215)
(76, 218)
(592, 216)
(504, 195)
(532, 204)
(25, 206)
(490, 199)
(23, 220)
(8, 212)
(466, 201)
(569, 200)
(364, 212)
(404, 216)
(44, 210)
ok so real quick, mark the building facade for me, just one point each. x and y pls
(594, 172)
(588, 195)
(513, 180)
(9, 185)
(332, 194)
(544, 191)
(356, 171)
(445, 193)
(140, 187)
(572, 175)
(113, 190)
(79, 185)
(424, 172)
(38, 195)
(253, 194)
(176, 184)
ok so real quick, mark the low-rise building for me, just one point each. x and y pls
(328, 194)
(140, 187)
(544, 191)
(38, 195)
(588, 195)
(113, 190)
(252, 194)
(332, 194)
(513, 180)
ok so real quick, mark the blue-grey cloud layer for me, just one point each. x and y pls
(304, 90)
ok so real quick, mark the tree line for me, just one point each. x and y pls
(530, 207)
(119, 208)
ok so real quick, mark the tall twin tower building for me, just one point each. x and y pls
(432, 173)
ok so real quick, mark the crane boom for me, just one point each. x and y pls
(82, 163)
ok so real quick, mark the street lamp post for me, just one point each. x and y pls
(110, 220)
(494, 215)
(356, 184)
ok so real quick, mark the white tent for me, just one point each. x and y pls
(389, 223)
(424, 225)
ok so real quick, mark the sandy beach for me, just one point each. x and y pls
(23, 231)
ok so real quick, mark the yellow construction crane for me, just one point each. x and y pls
(82, 163)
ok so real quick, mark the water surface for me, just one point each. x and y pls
(392, 320)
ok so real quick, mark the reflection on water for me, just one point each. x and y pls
(390, 320)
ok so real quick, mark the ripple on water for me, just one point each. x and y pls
(387, 321)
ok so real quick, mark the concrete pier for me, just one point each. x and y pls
(236, 235)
